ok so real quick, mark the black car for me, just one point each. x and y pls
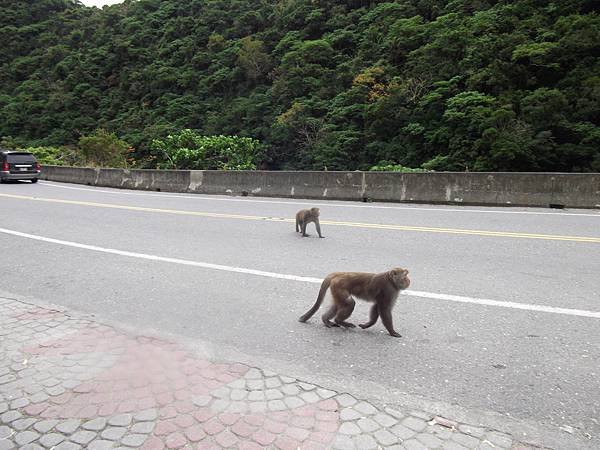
(16, 165)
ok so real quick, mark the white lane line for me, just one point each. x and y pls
(308, 202)
(262, 273)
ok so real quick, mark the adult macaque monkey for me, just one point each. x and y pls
(381, 289)
(306, 216)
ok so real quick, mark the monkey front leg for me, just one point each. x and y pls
(318, 228)
(386, 317)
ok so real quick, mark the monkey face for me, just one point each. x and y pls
(315, 211)
(400, 277)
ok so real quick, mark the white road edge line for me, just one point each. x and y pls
(308, 202)
(261, 273)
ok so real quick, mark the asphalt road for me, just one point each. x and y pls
(528, 364)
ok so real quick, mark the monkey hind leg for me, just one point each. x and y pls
(373, 316)
(344, 312)
(331, 312)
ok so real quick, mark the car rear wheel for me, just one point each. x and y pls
(34, 180)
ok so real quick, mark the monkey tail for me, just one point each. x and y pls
(317, 305)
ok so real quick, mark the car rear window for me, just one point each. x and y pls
(19, 158)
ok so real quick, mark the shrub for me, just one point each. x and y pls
(190, 151)
(103, 149)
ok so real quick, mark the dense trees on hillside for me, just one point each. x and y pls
(443, 85)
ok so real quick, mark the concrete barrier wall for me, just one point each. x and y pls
(469, 188)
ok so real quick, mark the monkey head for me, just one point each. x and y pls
(399, 278)
(315, 212)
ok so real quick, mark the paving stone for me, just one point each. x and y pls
(293, 402)
(384, 437)
(240, 383)
(121, 420)
(263, 437)
(276, 405)
(143, 427)
(349, 414)
(226, 439)
(402, 432)
(422, 415)
(222, 392)
(113, 433)
(133, 440)
(45, 425)
(471, 430)
(440, 432)
(201, 400)
(365, 442)
(310, 397)
(68, 426)
(238, 394)
(256, 407)
(395, 413)
(429, 440)
(306, 386)
(238, 407)
(285, 379)
(51, 439)
(255, 385)
(273, 394)
(25, 437)
(255, 396)
(3, 407)
(38, 397)
(5, 432)
(147, 415)
(5, 444)
(82, 437)
(365, 408)
(414, 423)
(95, 424)
(10, 416)
(290, 389)
(451, 445)
(367, 425)
(325, 393)
(413, 444)
(343, 443)
(487, 445)
(499, 439)
(67, 446)
(31, 446)
(349, 428)
(100, 444)
(19, 403)
(22, 424)
(466, 440)
(385, 420)
(253, 374)
(272, 382)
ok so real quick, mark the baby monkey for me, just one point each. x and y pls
(306, 216)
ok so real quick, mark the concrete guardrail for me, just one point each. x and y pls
(468, 188)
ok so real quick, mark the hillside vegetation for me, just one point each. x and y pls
(321, 84)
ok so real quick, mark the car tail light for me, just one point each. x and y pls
(38, 167)
(5, 167)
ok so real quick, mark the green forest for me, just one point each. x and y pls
(460, 85)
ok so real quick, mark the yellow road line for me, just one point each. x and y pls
(550, 237)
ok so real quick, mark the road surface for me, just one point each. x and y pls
(502, 317)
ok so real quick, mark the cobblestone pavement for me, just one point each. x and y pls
(70, 383)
